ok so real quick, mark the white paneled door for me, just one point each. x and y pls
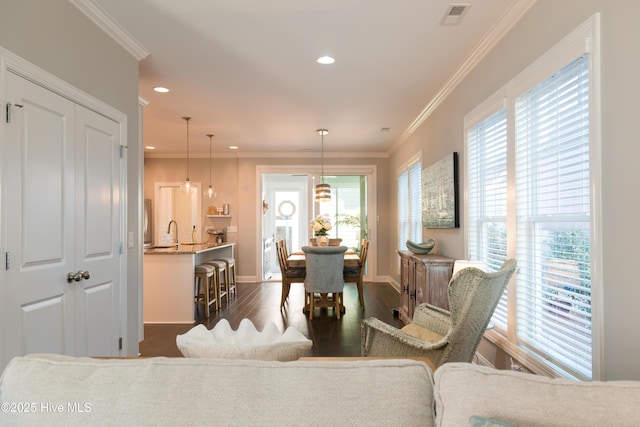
(63, 221)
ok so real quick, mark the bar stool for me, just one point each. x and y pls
(230, 275)
(203, 290)
(218, 281)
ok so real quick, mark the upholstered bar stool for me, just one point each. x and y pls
(230, 274)
(218, 281)
(203, 290)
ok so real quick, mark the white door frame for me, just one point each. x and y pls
(368, 170)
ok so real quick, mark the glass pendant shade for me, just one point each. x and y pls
(210, 192)
(322, 190)
(186, 186)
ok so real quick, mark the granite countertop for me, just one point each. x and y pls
(183, 249)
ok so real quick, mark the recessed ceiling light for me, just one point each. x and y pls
(150, 147)
(161, 89)
(325, 60)
(233, 147)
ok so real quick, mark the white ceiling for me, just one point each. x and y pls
(245, 70)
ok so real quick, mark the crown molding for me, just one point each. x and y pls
(269, 154)
(313, 154)
(106, 23)
(502, 27)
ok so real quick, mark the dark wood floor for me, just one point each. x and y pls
(260, 302)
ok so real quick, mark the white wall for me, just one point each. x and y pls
(235, 181)
(57, 37)
(545, 24)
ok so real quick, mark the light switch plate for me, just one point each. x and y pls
(130, 239)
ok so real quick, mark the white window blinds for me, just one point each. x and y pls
(409, 205)
(537, 147)
(553, 218)
(403, 208)
(487, 198)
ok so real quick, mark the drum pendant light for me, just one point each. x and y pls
(322, 190)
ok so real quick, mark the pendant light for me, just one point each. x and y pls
(186, 186)
(322, 191)
(210, 192)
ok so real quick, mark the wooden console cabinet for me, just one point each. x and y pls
(423, 278)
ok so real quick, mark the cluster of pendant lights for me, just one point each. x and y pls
(322, 190)
(186, 186)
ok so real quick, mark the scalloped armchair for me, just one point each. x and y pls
(439, 335)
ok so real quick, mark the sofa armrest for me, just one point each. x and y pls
(463, 390)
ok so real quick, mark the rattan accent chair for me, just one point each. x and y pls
(439, 335)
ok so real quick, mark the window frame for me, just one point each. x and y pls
(406, 168)
(584, 39)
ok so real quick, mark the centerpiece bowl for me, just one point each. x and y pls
(421, 248)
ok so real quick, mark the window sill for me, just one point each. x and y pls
(526, 359)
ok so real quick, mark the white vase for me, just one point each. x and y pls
(322, 241)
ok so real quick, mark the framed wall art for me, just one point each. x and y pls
(440, 205)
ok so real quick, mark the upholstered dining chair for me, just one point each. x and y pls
(324, 275)
(439, 335)
(354, 274)
(289, 275)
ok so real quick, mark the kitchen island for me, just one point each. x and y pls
(169, 280)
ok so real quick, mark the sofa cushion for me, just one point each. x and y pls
(182, 392)
(463, 390)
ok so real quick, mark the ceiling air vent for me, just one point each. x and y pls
(454, 14)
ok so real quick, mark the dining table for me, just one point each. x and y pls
(296, 259)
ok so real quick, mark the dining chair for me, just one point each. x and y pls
(313, 241)
(324, 276)
(289, 275)
(355, 274)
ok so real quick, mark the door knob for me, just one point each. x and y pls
(78, 276)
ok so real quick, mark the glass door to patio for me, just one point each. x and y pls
(288, 209)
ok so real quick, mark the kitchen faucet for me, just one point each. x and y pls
(176, 227)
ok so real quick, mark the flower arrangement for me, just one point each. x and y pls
(321, 225)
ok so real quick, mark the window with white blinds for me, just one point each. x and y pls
(487, 198)
(553, 212)
(409, 204)
(537, 148)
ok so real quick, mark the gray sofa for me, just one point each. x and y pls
(59, 390)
